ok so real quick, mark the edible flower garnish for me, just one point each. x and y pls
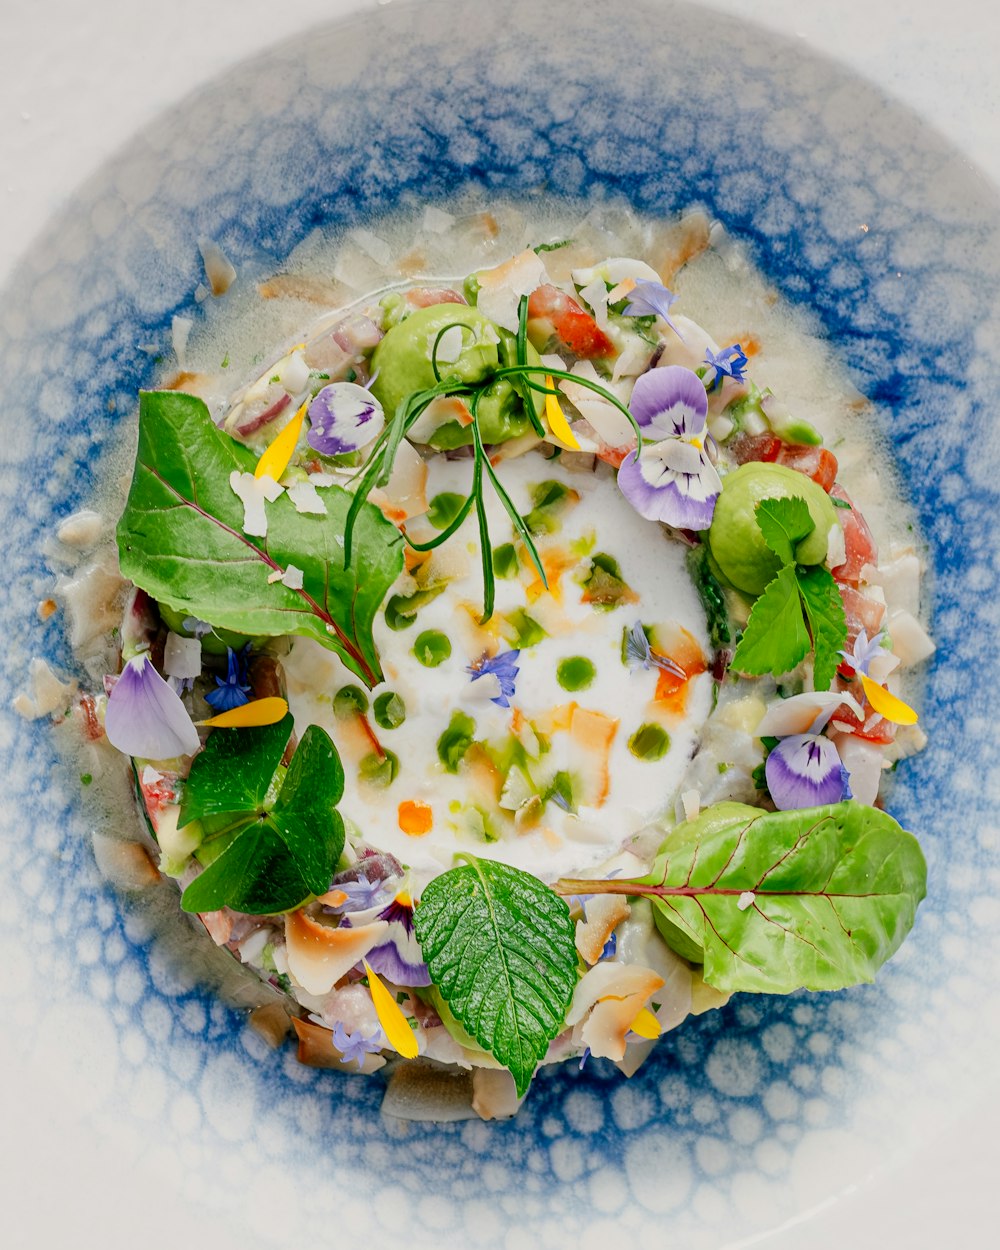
(805, 770)
(557, 420)
(252, 715)
(652, 299)
(145, 717)
(279, 452)
(354, 1047)
(399, 958)
(232, 690)
(646, 1025)
(358, 895)
(504, 668)
(394, 1024)
(729, 363)
(887, 705)
(671, 479)
(344, 417)
(639, 654)
(865, 650)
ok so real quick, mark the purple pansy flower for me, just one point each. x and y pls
(639, 654)
(865, 650)
(344, 417)
(729, 363)
(671, 479)
(233, 689)
(362, 895)
(399, 958)
(504, 668)
(145, 717)
(355, 1047)
(805, 770)
(651, 299)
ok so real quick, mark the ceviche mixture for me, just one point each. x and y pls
(507, 676)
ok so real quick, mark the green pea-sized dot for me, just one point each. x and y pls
(505, 561)
(379, 770)
(349, 701)
(576, 673)
(649, 742)
(443, 509)
(432, 648)
(389, 710)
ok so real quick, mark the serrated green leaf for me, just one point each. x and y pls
(813, 899)
(827, 622)
(181, 540)
(499, 945)
(783, 524)
(776, 638)
(278, 854)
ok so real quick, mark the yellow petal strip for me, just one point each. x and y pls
(250, 715)
(557, 419)
(887, 704)
(275, 459)
(394, 1024)
(646, 1024)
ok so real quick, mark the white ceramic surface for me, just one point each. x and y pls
(60, 1182)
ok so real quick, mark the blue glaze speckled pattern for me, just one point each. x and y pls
(743, 1118)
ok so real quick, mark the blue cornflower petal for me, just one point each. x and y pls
(504, 668)
(865, 650)
(232, 690)
(731, 362)
(355, 1046)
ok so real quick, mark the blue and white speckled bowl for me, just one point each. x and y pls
(745, 1119)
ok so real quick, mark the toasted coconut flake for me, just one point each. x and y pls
(219, 269)
(81, 529)
(494, 1096)
(426, 1093)
(798, 714)
(607, 980)
(47, 694)
(316, 1050)
(125, 864)
(272, 1023)
(603, 914)
(319, 954)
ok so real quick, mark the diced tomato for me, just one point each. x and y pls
(862, 613)
(858, 540)
(554, 314)
(613, 455)
(872, 730)
(756, 447)
(92, 728)
(815, 462)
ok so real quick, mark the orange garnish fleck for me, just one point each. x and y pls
(416, 818)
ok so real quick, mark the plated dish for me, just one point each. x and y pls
(686, 1104)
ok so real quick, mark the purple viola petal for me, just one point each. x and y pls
(659, 493)
(362, 895)
(344, 417)
(669, 402)
(504, 668)
(731, 362)
(651, 299)
(232, 690)
(805, 770)
(145, 717)
(354, 1047)
(399, 958)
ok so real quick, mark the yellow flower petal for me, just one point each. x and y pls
(646, 1024)
(887, 704)
(250, 715)
(394, 1024)
(557, 420)
(275, 459)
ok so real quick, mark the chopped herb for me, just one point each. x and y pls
(604, 586)
(576, 673)
(526, 630)
(560, 791)
(505, 561)
(225, 362)
(86, 779)
(401, 610)
(649, 742)
(349, 701)
(389, 710)
(456, 740)
(379, 770)
(550, 247)
(275, 377)
(549, 501)
(840, 503)
(432, 648)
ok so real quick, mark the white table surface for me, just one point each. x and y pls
(79, 79)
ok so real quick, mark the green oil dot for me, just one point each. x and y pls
(432, 648)
(349, 701)
(379, 771)
(389, 710)
(575, 673)
(649, 742)
(444, 508)
(505, 561)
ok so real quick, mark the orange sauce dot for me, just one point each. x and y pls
(415, 818)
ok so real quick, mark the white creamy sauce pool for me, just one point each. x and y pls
(639, 791)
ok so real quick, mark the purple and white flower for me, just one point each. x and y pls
(651, 299)
(731, 362)
(504, 668)
(360, 895)
(865, 650)
(805, 770)
(639, 654)
(232, 690)
(344, 417)
(145, 717)
(672, 479)
(399, 958)
(355, 1047)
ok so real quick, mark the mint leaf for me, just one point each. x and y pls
(827, 622)
(181, 540)
(783, 524)
(835, 891)
(499, 945)
(280, 849)
(775, 639)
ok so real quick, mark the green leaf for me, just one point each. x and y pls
(499, 945)
(775, 639)
(281, 851)
(827, 622)
(181, 539)
(834, 892)
(783, 524)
